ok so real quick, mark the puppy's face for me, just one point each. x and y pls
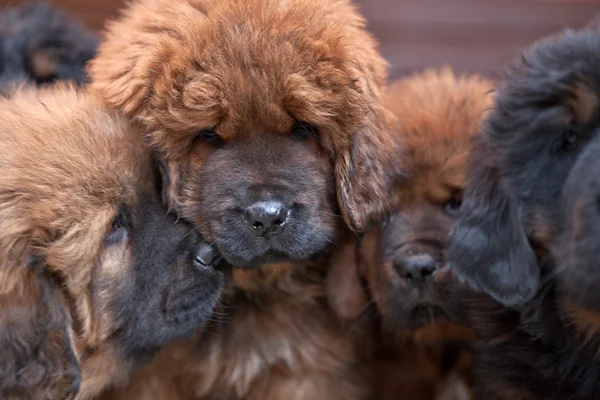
(402, 256)
(542, 127)
(95, 274)
(266, 199)
(263, 114)
(40, 44)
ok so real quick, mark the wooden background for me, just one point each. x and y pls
(469, 35)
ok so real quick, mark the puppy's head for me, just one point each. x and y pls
(437, 114)
(264, 112)
(577, 249)
(91, 263)
(40, 44)
(543, 123)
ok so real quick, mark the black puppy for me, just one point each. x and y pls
(527, 232)
(39, 43)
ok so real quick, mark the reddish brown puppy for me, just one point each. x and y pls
(95, 276)
(437, 114)
(266, 118)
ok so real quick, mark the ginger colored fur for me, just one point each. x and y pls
(248, 68)
(71, 263)
(239, 98)
(422, 353)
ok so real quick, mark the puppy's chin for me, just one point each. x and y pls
(191, 301)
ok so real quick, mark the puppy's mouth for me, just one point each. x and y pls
(241, 247)
(426, 314)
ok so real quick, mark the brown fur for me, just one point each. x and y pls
(249, 72)
(437, 113)
(251, 68)
(280, 340)
(68, 167)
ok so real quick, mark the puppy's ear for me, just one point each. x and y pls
(345, 293)
(37, 358)
(488, 247)
(366, 172)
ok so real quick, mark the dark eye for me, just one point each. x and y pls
(209, 136)
(453, 205)
(119, 228)
(570, 143)
(303, 131)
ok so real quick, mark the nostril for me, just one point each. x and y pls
(257, 225)
(206, 256)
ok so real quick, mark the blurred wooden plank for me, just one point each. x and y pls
(490, 12)
(470, 35)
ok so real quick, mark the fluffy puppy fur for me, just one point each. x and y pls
(437, 115)
(94, 275)
(39, 44)
(266, 118)
(526, 234)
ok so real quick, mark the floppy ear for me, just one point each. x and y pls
(488, 247)
(345, 292)
(366, 172)
(37, 359)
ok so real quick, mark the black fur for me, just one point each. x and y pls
(532, 163)
(33, 30)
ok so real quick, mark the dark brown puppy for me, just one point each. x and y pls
(94, 275)
(527, 232)
(437, 114)
(266, 117)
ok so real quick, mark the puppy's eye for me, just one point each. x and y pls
(209, 136)
(453, 205)
(303, 131)
(119, 229)
(570, 143)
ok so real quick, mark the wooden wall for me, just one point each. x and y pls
(470, 35)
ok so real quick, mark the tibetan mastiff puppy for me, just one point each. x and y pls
(95, 276)
(40, 44)
(265, 116)
(526, 238)
(400, 258)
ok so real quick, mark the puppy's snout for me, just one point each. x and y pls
(267, 218)
(417, 268)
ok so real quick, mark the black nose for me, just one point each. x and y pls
(267, 217)
(418, 267)
(206, 257)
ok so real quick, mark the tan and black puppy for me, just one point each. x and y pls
(95, 276)
(527, 235)
(266, 118)
(437, 114)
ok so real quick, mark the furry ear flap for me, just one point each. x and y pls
(366, 172)
(37, 360)
(488, 247)
(345, 293)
